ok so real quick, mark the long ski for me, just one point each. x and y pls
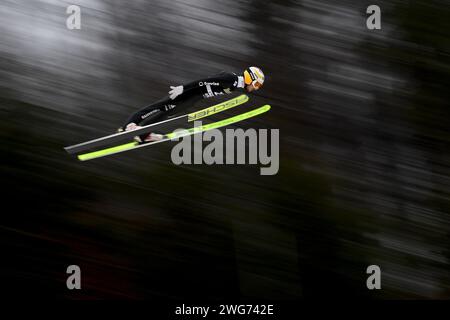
(174, 135)
(113, 138)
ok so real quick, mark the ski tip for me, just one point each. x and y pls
(266, 107)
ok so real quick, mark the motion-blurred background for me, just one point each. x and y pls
(364, 151)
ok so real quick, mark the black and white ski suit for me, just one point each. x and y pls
(220, 84)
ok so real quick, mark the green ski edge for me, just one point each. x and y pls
(176, 134)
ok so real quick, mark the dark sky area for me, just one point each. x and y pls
(364, 176)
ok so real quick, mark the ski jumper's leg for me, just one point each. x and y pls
(151, 113)
(161, 109)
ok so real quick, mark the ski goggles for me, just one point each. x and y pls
(257, 84)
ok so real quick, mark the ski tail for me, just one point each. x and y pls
(108, 151)
(175, 134)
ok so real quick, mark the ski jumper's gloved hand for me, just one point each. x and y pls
(175, 92)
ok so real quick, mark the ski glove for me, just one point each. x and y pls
(175, 92)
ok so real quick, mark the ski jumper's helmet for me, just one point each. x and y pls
(255, 76)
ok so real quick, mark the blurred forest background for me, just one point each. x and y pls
(364, 176)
